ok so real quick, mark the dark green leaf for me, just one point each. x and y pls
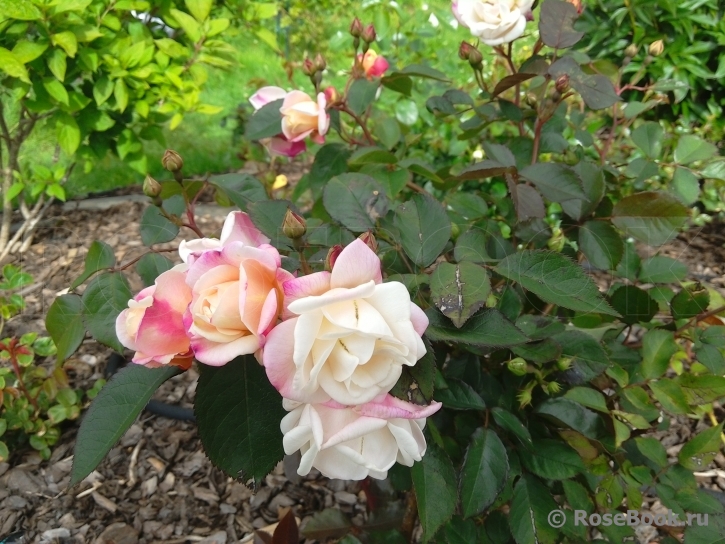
(701, 390)
(112, 412)
(556, 24)
(151, 266)
(586, 396)
(530, 507)
(552, 460)
(699, 452)
(361, 94)
(597, 91)
(661, 269)
(685, 185)
(372, 155)
(64, 323)
(155, 228)
(555, 279)
(330, 523)
(100, 255)
(509, 422)
(711, 357)
(241, 189)
(471, 246)
(572, 414)
(484, 472)
(459, 290)
(459, 396)
(434, 481)
(651, 217)
(489, 328)
(426, 72)
(104, 298)
(424, 228)
(689, 302)
(601, 244)
(670, 395)
(266, 122)
(268, 216)
(648, 137)
(634, 304)
(588, 357)
(238, 413)
(692, 149)
(652, 449)
(355, 200)
(484, 169)
(556, 182)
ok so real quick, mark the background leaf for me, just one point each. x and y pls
(434, 481)
(484, 472)
(424, 228)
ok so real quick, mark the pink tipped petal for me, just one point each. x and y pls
(317, 138)
(418, 318)
(265, 95)
(216, 354)
(268, 316)
(206, 262)
(238, 227)
(394, 408)
(379, 67)
(283, 147)
(277, 358)
(357, 264)
(192, 247)
(306, 286)
(171, 288)
(292, 98)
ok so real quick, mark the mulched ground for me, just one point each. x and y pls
(157, 485)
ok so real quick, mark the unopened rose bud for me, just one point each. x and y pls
(564, 363)
(356, 28)
(294, 226)
(369, 240)
(308, 67)
(475, 59)
(332, 256)
(464, 50)
(552, 388)
(631, 50)
(331, 95)
(172, 161)
(562, 84)
(320, 63)
(657, 48)
(369, 35)
(524, 398)
(517, 366)
(151, 187)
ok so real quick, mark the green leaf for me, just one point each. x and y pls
(648, 137)
(509, 422)
(68, 132)
(238, 413)
(22, 10)
(586, 396)
(658, 347)
(571, 414)
(597, 91)
(556, 24)
(26, 51)
(484, 472)
(601, 244)
(199, 9)
(651, 217)
(266, 122)
(155, 228)
(652, 449)
(692, 149)
(685, 185)
(102, 90)
(670, 395)
(67, 41)
(361, 94)
(388, 132)
(459, 396)
(661, 269)
(424, 228)
(689, 302)
(552, 460)
(471, 246)
(188, 24)
(470, 206)
(330, 523)
(592, 178)
(268, 216)
(701, 390)
(241, 189)
(459, 290)
(434, 481)
(12, 66)
(105, 297)
(556, 182)
(64, 323)
(151, 266)
(56, 89)
(369, 155)
(711, 357)
(634, 304)
(528, 515)
(423, 71)
(712, 532)
(112, 412)
(355, 200)
(699, 452)
(488, 328)
(406, 111)
(100, 255)
(120, 93)
(555, 279)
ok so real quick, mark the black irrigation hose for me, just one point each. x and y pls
(171, 411)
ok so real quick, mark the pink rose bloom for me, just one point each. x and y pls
(302, 117)
(347, 334)
(279, 145)
(152, 325)
(373, 64)
(352, 443)
(236, 292)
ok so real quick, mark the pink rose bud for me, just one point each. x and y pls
(172, 161)
(369, 35)
(331, 95)
(356, 28)
(369, 240)
(320, 63)
(562, 84)
(373, 65)
(464, 51)
(308, 67)
(294, 226)
(302, 117)
(332, 256)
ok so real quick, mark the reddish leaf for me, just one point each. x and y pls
(287, 532)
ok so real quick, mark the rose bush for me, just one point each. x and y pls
(409, 306)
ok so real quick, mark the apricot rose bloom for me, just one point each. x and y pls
(495, 22)
(152, 325)
(373, 64)
(236, 291)
(352, 443)
(278, 145)
(346, 335)
(302, 117)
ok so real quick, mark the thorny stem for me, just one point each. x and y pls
(300, 245)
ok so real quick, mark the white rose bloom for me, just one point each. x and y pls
(493, 21)
(352, 443)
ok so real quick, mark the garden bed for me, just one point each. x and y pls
(157, 485)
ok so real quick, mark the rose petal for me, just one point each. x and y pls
(356, 264)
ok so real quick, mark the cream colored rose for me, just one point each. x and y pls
(493, 21)
(302, 116)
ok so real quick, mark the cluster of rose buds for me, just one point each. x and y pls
(314, 69)
(333, 343)
(368, 63)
